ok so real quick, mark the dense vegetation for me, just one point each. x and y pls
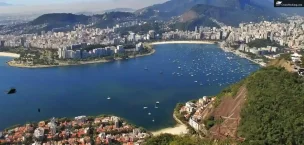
(142, 29)
(263, 43)
(168, 139)
(244, 13)
(190, 25)
(60, 19)
(274, 110)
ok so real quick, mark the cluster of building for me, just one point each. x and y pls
(80, 130)
(71, 53)
(205, 33)
(194, 112)
(81, 34)
(286, 34)
(259, 51)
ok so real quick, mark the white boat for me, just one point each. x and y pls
(157, 102)
(145, 107)
(153, 120)
(149, 113)
(195, 81)
(109, 98)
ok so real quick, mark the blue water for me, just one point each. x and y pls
(83, 90)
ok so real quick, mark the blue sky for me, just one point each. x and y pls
(43, 2)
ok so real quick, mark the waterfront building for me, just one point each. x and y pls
(39, 133)
(194, 123)
(139, 46)
(80, 119)
(119, 49)
(152, 34)
(52, 125)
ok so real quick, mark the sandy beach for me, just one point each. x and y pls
(7, 54)
(183, 42)
(177, 130)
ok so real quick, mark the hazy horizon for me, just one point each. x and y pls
(72, 7)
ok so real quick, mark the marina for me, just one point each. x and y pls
(124, 88)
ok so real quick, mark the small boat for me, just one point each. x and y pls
(12, 91)
(153, 120)
(195, 81)
(145, 107)
(149, 113)
(157, 102)
(146, 68)
(109, 98)
(201, 84)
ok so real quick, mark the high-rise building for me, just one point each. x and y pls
(152, 34)
(23, 40)
(2, 43)
(119, 49)
(52, 125)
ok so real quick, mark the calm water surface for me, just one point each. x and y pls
(83, 90)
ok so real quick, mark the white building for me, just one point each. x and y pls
(80, 119)
(193, 123)
(52, 125)
(39, 133)
(296, 57)
(190, 107)
(152, 34)
(119, 49)
(139, 46)
(204, 100)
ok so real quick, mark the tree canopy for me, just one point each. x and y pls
(274, 111)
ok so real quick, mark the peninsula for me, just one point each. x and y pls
(49, 58)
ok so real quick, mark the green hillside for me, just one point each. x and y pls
(272, 115)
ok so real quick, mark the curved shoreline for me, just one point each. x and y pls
(178, 129)
(10, 63)
(183, 42)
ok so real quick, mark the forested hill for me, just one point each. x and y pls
(273, 113)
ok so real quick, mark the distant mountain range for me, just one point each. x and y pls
(181, 14)
(106, 11)
(4, 4)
